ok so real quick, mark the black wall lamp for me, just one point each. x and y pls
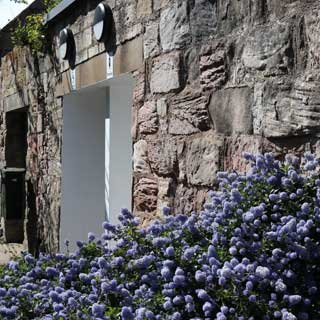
(102, 22)
(66, 44)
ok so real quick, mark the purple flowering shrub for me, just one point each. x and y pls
(252, 253)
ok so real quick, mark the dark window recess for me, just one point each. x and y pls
(16, 139)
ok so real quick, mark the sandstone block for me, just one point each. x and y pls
(174, 26)
(140, 157)
(146, 195)
(148, 118)
(165, 73)
(213, 73)
(265, 48)
(188, 112)
(230, 110)
(184, 199)
(144, 8)
(285, 111)
(162, 154)
(203, 20)
(188, 199)
(160, 4)
(164, 194)
(162, 108)
(16, 101)
(204, 154)
(151, 42)
(236, 145)
(129, 56)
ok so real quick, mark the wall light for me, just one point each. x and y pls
(102, 22)
(65, 43)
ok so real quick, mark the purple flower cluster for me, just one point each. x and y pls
(252, 253)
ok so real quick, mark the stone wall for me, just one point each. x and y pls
(212, 79)
(222, 77)
(28, 81)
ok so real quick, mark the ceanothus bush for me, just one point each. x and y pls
(252, 253)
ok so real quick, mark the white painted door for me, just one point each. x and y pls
(96, 158)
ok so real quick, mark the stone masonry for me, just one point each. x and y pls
(212, 79)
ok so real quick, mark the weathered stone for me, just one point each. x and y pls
(129, 56)
(164, 194)
(148, 118)
(16, 101)
(10, 251)
(91, 72)
(184, 199)
(212, 67)
(39, 123)
(144, 8)
(139, 89)
(203, 20)
(189, 199)
(188, 113)
(162, 155)
(230, 110)
(284, 111)
(140, 157)
(162, 108)
(174, 26)
(266, 49)
(204, 155)
(165, 73)
(126, 22)
(235, 147)
(146, 195)
(192, 62)
(312, 31)
(160, 4)
(151, 40)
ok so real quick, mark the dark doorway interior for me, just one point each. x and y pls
(14, 188)
(15, 206)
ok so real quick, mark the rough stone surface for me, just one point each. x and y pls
(267, 49)
(140, 157)
(230, 110)
(203, 156)
(164, 194)
(163, 157)
(212, 79)
(188, 112)
(144, 8)
(146, 195)
(10, 251)
(290, 110)
(212, 67)
(203, 20)
(148, 118)
(165, 73)
(174, 26)
(151, 40)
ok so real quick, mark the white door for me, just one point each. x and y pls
(96, 158)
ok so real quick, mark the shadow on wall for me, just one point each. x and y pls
(32, 224)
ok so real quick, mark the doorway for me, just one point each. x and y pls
(13, 176)
(96, 157)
